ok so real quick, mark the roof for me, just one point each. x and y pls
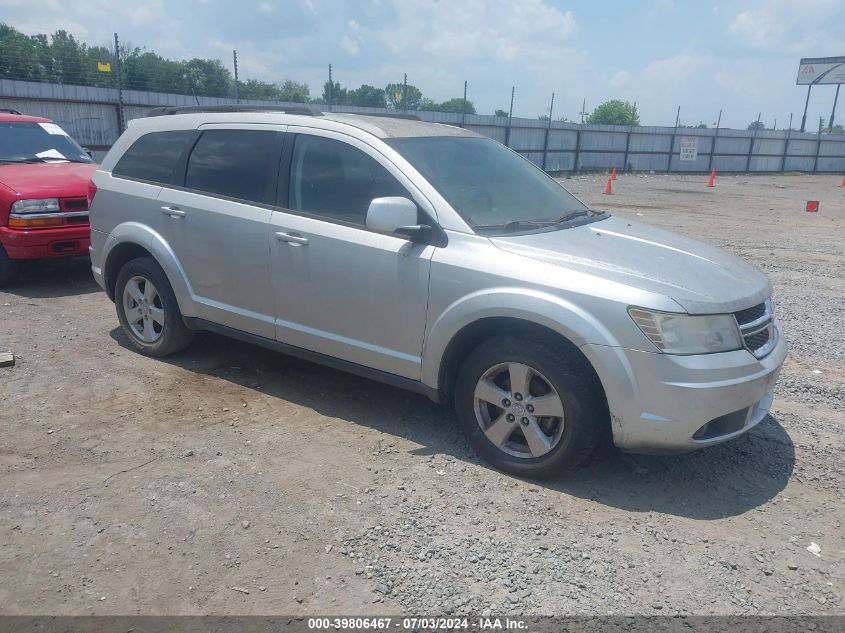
(390, 127)
(378, 125)
(6, 117)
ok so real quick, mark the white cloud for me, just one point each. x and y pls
(266, 8)
(350, 45)
(792, 26)
(620, 79)
(351, 42)
(672, 69)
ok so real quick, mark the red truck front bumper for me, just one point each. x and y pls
(62, 241)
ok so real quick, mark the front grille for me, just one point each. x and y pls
(757, 327)
(750, 314)
(756, 341)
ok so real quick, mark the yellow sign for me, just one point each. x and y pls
(104, 67)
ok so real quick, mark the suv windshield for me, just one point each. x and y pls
(37, 143)
(494, 189)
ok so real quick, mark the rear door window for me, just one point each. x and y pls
(154, 157)
(240, 164)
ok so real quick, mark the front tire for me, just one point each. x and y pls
(147, 309)
(529, 408)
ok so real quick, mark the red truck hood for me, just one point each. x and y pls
(45, 180)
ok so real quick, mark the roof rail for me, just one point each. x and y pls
(298, 109)
(9, 111)
(386, 115)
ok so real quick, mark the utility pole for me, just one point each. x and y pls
(464, 106)
(121, 122)
(331, 86)
(548, 131)
(510, 116)
(235, 61)
(713, 145)
(583, 112)
(405, 93)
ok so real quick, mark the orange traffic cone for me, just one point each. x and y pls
(843, 182)
(712, 181)
(613, 174)
(608, 188)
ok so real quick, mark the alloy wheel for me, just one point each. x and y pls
(519, 410)
(143, 308)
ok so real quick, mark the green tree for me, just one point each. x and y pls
(457, 105)
(400, 97)
(500, 112)
(367, 96)
(255, 89)
(209, 78)
(614, 112)
(756, 125)
(20, 57)
(339, 95)
(294, 92)
(428, 105)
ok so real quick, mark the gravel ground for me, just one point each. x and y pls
(230, 480)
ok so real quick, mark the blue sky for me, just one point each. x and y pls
(740, 56)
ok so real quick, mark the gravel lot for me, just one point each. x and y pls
(231, 480)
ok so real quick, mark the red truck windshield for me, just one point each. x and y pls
(38, 142)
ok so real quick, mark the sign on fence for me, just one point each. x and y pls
(689, 147)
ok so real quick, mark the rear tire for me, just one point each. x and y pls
(148, 310)
(548, 425)
(8, 268)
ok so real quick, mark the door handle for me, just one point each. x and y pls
(292, 238)
(173, 212)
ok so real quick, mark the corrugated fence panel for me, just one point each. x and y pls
(496, 133)
(602, 160)
(90, 115)
(802, 148)
(727, 145)
(832, 148)
(604, 141)
(527, 138)
(798, 163)
(562, 139)
(650, 143)
(649, 162)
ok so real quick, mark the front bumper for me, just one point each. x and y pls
(62, 241)
(661, 402)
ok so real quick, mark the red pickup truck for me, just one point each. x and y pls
(44, 192)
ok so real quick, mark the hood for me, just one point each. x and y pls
(700, 278)
(46, 180)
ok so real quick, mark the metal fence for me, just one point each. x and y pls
(92, 116)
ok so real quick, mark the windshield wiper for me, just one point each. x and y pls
(513, 225)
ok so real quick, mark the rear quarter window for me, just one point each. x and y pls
(154, 156)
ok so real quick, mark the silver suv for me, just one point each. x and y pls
(438, 260)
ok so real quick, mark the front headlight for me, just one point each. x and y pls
(44, 205)
(685, 334)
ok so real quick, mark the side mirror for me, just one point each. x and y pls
(89, 152)
(397, 216)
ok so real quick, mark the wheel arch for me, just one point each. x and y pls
(131, 240)
(476, 332)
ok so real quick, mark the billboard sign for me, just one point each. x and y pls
(813, 71)
(689, 148)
